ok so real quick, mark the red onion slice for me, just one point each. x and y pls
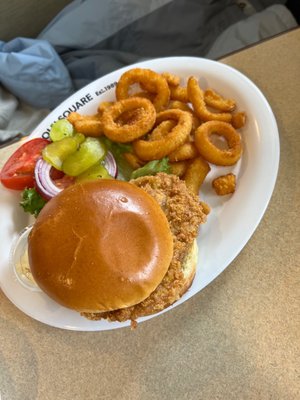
(111, 165)
(44, 183)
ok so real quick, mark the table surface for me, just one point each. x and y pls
(239, 338)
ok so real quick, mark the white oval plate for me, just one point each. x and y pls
(233, 219)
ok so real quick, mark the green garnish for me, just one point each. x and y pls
(97, 171)
(32, 202)
(117, 150)
(61, 129)
(152, 168)
(88, 154)
(56, 152)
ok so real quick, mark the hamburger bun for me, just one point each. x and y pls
(100, 245)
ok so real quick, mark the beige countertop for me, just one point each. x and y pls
(239, 338)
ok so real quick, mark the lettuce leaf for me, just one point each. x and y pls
(152, 168)
(32, 202)
(117, 150)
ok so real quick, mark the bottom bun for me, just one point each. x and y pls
(189, 268)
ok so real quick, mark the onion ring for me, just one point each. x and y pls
(196, 97)
(161, 130)
(177, 104)
(157, 82)
(135, 129)
(215, 100)
(145, 95)
(156, 149)
(212, 153)
(74, 116)
(180, 105)
(88, 125)
(185, 152)
(179, 93)
(173, 80)
(130, 117)
(103, 106)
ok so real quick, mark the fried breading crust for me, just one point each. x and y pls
(184, 213)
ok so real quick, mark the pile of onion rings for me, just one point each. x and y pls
(161, 117)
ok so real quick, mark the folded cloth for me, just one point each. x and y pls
(84, 23)
(33, 71)
(17, 118)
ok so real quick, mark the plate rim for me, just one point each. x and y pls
(258, 218)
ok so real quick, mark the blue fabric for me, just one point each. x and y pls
(84, 23)
(90, 38)
(32, 70)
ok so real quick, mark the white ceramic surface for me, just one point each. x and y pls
(233, 219)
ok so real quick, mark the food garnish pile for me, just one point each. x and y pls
(154, 125)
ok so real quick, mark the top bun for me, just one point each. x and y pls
(100, 245)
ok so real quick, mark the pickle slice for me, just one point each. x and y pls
(97, 171)
(56, 152)
(89, 153)
(61, 129)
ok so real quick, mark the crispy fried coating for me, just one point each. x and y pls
(224, 184)
(185, 213)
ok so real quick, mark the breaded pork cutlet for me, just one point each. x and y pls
(185, 214)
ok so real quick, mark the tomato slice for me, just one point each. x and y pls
(18, 171)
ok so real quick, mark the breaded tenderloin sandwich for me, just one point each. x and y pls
(117, 250)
